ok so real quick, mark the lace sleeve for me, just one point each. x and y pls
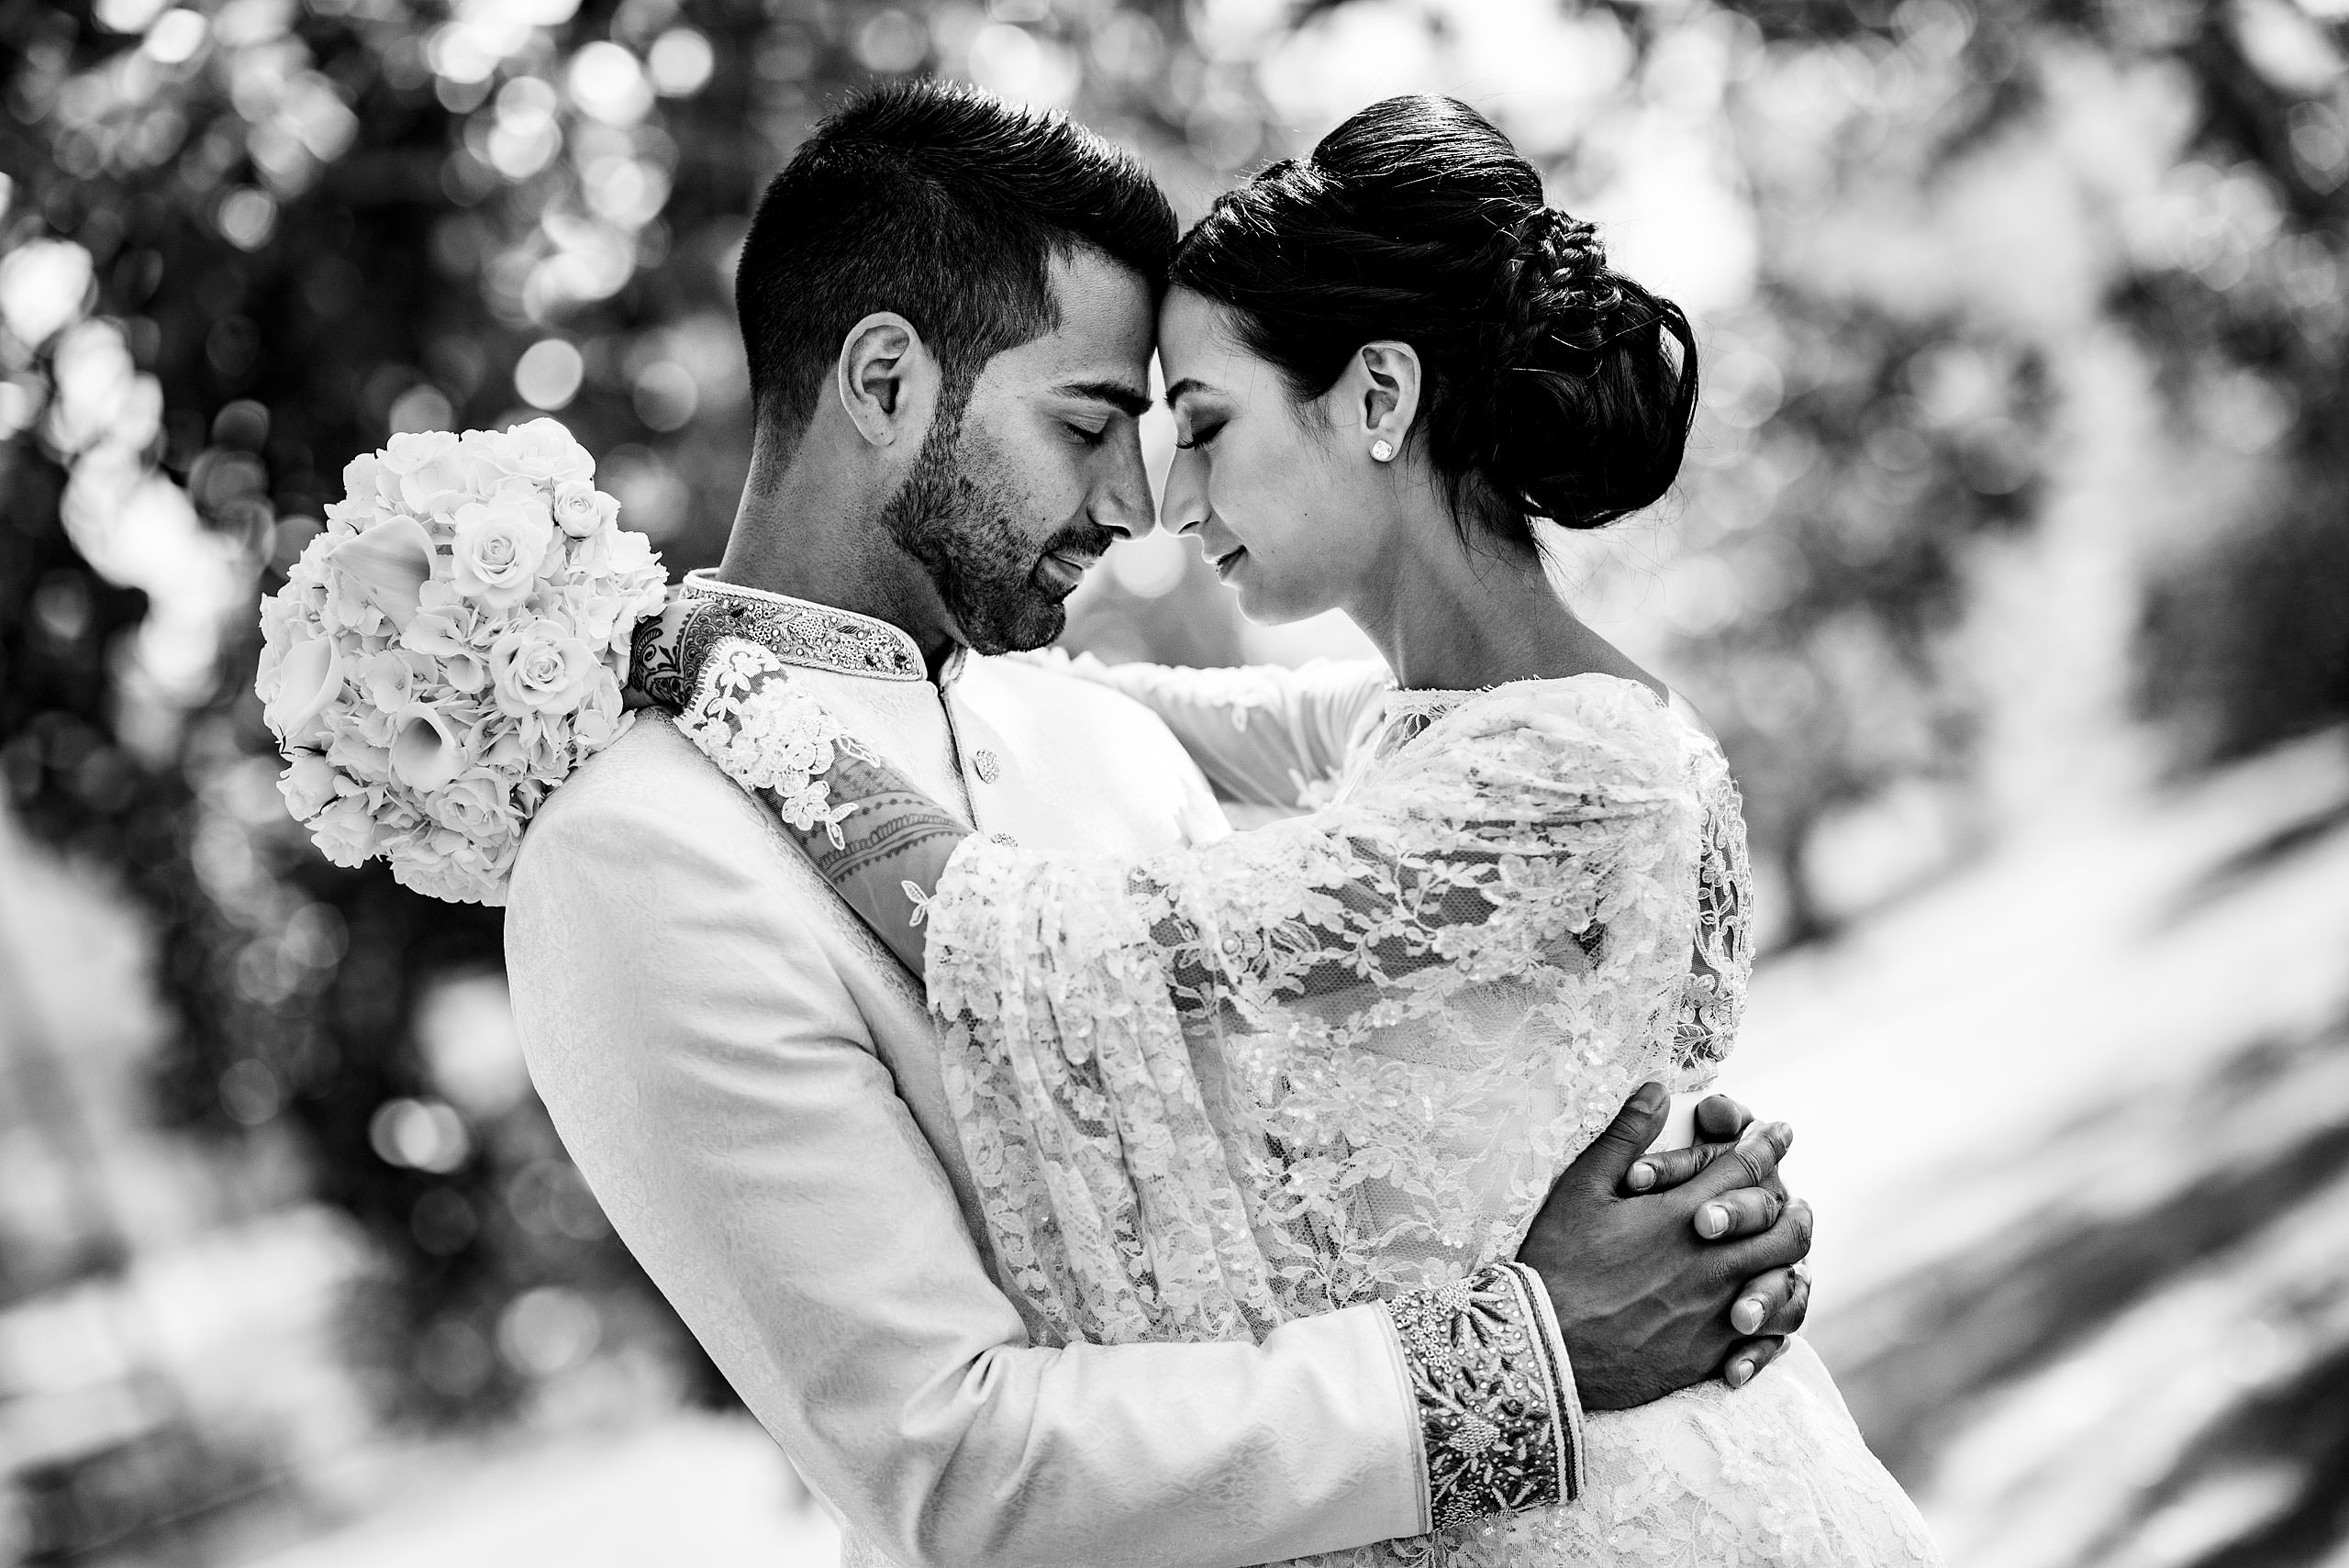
(1211, 1090)
(1262, 734)
(1712, 999)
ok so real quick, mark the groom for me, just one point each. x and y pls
(948, 309)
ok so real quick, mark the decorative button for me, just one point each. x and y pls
(1006, 840)
(988, 765)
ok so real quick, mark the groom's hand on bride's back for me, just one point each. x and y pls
(1669, 1269)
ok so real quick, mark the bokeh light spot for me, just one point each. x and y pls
(892, 41)
(680, 62)
(247, 218)
(420, 1135)
(422, 407)
(549, 1330)
(607, 83)
(665, 395)
(175, 37)
(547, 376)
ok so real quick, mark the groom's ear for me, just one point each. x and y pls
(1382, 389)
(887, 380)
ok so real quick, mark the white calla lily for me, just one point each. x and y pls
(426, 755)
(391, 562)
(309, 679)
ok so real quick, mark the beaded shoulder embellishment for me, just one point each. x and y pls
(813, 637)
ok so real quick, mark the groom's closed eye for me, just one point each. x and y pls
(1120, 396)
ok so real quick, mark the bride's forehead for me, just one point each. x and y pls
(1196, 345)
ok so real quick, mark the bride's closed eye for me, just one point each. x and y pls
(1199, 437)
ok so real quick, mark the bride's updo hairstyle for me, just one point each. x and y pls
(1553, 385)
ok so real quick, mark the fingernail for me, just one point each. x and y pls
(1642, 1176)
(1650, 1100)
(1746, 1315)
(1739, 1371)
(1712, 1219)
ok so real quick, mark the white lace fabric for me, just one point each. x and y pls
(1344, 1057)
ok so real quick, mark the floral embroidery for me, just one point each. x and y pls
(818, 637)
(751, 718)
(1491, 1396)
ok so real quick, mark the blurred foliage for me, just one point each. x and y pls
(243, 241)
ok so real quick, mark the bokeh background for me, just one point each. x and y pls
(2011, 562)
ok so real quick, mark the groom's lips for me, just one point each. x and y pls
(1060, 570)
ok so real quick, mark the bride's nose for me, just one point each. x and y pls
(1184, 506)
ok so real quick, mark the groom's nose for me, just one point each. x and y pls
(1121, 501)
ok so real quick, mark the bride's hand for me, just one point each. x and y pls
(657, 677)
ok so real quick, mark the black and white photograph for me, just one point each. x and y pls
(1175, 783)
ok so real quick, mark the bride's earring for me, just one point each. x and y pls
(1382, 451)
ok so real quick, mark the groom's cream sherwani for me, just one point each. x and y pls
(749, 1081)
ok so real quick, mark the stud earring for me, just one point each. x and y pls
(1382, 451)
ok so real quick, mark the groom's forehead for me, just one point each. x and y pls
(1106, 315)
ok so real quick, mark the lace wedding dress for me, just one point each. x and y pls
(1344, 1055)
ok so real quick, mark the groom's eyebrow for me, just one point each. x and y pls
(1123, 396)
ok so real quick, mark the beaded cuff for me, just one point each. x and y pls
(1496, 1398)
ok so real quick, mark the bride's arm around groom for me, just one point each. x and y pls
(747, 1081)
(700, 1029)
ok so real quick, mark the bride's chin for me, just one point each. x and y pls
(1263, 609)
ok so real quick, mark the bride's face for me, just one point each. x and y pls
(1257, 477)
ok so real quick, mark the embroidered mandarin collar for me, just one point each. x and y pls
(813, 635)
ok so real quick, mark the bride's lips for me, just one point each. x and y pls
(1227, 564)
(1060, 570)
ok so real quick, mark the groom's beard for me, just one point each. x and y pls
(954, 513)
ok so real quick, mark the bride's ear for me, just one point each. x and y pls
(1382, 390)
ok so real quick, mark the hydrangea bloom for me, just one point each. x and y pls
(450, 648)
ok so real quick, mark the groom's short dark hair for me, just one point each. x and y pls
(945, 204)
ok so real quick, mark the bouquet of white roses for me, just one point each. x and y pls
(451, 648)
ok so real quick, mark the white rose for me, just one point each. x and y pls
(415, 450)
(499, 546)
(345, 832)
(541, 450)
(539, 668)
(308, 784)
(439, 487)
(578, 507)
(474, 805)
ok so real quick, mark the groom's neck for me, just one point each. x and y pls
(806, 530)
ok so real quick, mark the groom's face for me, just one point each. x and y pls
(1020, 490)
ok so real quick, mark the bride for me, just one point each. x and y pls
(1344, 1056)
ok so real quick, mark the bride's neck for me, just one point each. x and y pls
(1455, 616)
